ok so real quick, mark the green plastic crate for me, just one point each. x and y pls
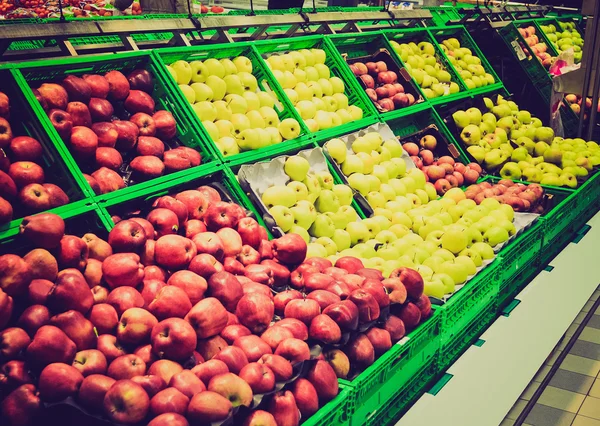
(394, 370)
(80, 218)
(460, 32)
(529, 62)
(589, 193)
(442, 15)
(356, 96)
(369, 44)
(335, 412)
(34, 73)
(390, 411)
(465, 337)
(57, 167)
(417, 35)
(121, 204)
(570, 120)
(462, 308)
(266, 83)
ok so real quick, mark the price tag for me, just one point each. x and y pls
(403, 340)
(518, 50)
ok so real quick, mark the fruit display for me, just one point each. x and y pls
(515, 145)
(113, 128)
(31, 179)
(537, 47)
(317, 91)
(565, 37)
(466, 64)
(442, 239)
(443, 171)
(236, 112)
(381, 78)
(521, 197)
(424, 65)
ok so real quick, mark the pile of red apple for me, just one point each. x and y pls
(538, 49)
(521, 197)
(23, 186)
(382, 85)
(444, 172)
(173, 320)
(111, 127)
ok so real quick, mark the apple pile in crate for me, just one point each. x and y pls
(187, 314)
(23, 185)
(382, 85)
(540, 157)
(106, 118)
(444, 172)
(319, 98)
(225, 96)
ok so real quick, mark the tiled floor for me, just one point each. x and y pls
(572, 397)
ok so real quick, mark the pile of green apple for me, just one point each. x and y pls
(225, 96)
(511, 142)
(430, 74)
(567, 39)
(318, 96)
(466, 64)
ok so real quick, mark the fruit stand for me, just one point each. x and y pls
(278, 219)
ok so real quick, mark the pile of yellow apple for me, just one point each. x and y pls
(511, 142)
(466, 64)
(430, 74)
(225, 96)
(318, 96)
(567, 39)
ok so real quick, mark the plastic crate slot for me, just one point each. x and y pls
(549, 268)
(440, 384)
(479, 343)
(511, 306)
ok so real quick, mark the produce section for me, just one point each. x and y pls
(303, 230)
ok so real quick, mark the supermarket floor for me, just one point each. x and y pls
(566, 390)
(489, 385)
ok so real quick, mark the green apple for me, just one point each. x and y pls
(322, 227)
(304, 213)
(358, 232)
(376, 199)
(279, 195)
(470, 135)
(342, 239)
(337, 149)
(461, 119)
(300, 189)
(205, 110)
(511, 171)
(327, 202)
(283, 217)
(325, 180)
(358, 182)
(289, 128)
(454, 241)
(228, 146)
(188, 92)
(183, 72)
(329, 244)
(256, 120)
(296, 167)
(343, 193)
(316, 250)
(495, 235)
(468, 263)
(353, 164)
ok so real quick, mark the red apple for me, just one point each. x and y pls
(207, 407)
(126, 367)
(306, 397)
(284, 409)
(166, 127)
(174, 252)
(126, 402)
(135, 326)
(174, 339)
(59, 381)
(260, 377)
(165, 369)
(232, 387)
(210, 369)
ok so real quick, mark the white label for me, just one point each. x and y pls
(403, 340)
(519, 51)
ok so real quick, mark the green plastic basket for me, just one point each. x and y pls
(460, 32)
(390, 411)
(80, 218)
(589, 193)
(465, 337)
(356, 96)
(529, 63)
(188, 133)
(418, 35)
(335, 412)
(266, 83)
(394, 370)
(57, 167)
(219, 177)
(442, 15)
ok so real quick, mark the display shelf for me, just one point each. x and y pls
(188, 133)
(266, 83)
(379, 383)
(57, 167)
